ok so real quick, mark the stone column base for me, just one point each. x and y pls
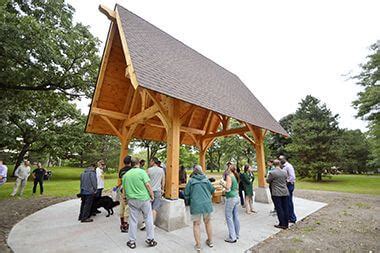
(172, 215)
(262, 195)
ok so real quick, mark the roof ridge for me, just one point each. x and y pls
(236, 76)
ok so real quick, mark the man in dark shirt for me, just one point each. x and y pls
(124, 212)
(38, 175)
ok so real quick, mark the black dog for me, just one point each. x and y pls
(107, 203)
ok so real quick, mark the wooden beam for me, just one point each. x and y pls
(208, 119)
(110, 114)
(226, 132)
(102, 70)
(185, 116)
(111, 15)
(260, 155)
(245, 136)
(161, 107)
(191, 130)
(130, 68)
(143, 116)
(196, 142)
(173, 145)
(135, 92)
(114, 129)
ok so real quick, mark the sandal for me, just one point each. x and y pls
(209, 243)
(197, 248)
(131, 244)
(151, 242)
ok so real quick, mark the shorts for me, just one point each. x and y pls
(156, 204)
(198, 217)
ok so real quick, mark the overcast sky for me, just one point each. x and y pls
(282, 50)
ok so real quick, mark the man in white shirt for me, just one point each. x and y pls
(290, 184)
(3, 173)
(22, 173)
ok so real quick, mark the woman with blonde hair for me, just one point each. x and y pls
(231, 179)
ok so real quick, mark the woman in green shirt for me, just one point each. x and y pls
(247, 180)
(232, 202)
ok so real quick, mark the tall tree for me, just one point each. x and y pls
(276, 142)
(353, 150)
(368, 102)
(33, 121)
(315, 132)
(41, 49)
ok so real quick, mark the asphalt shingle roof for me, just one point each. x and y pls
(166, 65)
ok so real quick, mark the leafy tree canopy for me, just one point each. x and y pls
(41, 49)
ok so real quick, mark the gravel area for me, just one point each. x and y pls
(350, 223)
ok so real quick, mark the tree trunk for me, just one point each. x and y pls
(319, 177)
(81, 162)
(21, 156)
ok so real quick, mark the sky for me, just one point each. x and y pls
(281, 50)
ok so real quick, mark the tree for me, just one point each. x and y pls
(315, 133)
(41, 49)
(353, 150)
(368, 102)
(33, 121)
(276, 142)
(152, 147)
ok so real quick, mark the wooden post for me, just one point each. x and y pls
(202, 159)
(260, 156)
(173, 144)
(123, 151)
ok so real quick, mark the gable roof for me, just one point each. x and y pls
(168, 66)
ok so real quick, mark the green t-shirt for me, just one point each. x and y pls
(234, 188)
(134, 184)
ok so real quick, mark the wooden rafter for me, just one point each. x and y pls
(129, 97)
(185, 129)
(110, 114)
(143, 116)
(187, 114)
(130, 68)
(226, 132)
(162, 109)
(208, 120)
(134, 97)
(114, 129)
(111, 15)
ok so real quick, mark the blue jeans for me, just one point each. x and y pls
(292, 215)
(232, 218)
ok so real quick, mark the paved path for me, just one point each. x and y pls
(56, 229)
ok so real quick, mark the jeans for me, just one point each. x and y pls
(292, 215)
(231, 212)
(20, 184)
(39, 181)
(85, 206)
(135, 207)
(281, 206)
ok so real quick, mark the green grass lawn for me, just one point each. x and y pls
(65, 182)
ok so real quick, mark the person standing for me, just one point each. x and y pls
(22, 173)
(99, 171)
(270, 168)
(157, 181)
(38, 176)
(291, 185)
(277, 179)
(231, 178)
(88, 187)
(124, 210)
(198, 193)
(3, 173)
(139, 193)
(246, 179)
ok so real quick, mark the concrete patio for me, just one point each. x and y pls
(56, 229)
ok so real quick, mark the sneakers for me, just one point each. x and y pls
(124, 227)
(209, 243)
(230, 241)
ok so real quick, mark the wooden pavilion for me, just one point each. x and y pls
(152, 86)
